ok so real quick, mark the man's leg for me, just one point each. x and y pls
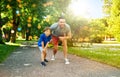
(64, 42)
(55, 46)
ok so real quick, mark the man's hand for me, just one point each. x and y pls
(62, 38)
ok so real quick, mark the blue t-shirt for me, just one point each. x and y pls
(43, 38)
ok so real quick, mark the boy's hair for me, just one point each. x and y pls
(46, 28)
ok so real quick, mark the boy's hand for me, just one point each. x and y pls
(44, 49)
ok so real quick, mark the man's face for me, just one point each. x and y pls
(61, 22)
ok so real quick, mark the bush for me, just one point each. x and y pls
(96, 40)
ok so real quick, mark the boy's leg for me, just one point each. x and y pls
(45, 54)
(42, 56)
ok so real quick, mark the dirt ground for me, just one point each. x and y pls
(25, 62)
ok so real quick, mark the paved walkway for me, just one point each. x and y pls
(25, 62)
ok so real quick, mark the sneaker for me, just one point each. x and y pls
(67, 61)
(45, 60)
(43, 64)
(53, 57)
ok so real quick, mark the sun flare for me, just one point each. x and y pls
(79, 8)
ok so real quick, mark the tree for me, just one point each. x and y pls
(19, 12)
(113, 17)
(97, 30)
(56, 8)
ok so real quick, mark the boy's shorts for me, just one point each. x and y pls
(41, 49)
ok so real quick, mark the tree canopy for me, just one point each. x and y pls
(112, 9)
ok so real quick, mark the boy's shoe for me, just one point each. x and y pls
(45, 60)
(43, 64)
(67, 61)
(53, 57)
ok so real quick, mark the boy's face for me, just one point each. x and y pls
(61, 22)
(48, 32)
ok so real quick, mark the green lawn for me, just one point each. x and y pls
(6, 50)
(101, 54)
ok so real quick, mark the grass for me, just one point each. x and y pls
(6, 50)
(104, 54)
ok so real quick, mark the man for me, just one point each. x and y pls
(60, 31)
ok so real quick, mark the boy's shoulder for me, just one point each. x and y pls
(42, 35)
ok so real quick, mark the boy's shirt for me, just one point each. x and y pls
(43, 38)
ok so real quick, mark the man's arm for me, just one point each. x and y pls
(65, 37)
(69, 35)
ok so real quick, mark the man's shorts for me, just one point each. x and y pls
(55, 40)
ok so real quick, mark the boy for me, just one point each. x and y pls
(43, 44)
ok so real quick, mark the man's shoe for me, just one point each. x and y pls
(45, 60)
(43, 64)
(53, 57)
(67, 61)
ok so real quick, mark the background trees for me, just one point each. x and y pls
(22, 14)
(112, 9)
(28, 18)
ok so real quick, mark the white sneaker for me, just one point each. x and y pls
(67, 61)
(53, 57)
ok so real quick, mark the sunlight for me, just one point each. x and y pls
(86, 8)
(79, 8)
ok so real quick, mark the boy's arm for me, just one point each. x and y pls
(42, 44)
(46, 46)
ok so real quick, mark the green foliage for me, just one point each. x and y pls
(96, 39)
(98, 30)
(114, 17)
(56, 9)
(5, 51)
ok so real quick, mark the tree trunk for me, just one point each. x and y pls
(1, 40)
(13, 33)
(16, 21)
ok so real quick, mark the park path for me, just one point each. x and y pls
(25, 62)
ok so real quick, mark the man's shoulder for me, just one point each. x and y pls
(55, 24)
(67, 25)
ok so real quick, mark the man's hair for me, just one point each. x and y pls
(61, 18)
(46, 28)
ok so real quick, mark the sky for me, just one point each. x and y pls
(87, 8)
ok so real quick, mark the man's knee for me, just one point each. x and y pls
(64, 43)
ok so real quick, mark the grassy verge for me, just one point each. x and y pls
(104, 55)
(6, 50)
